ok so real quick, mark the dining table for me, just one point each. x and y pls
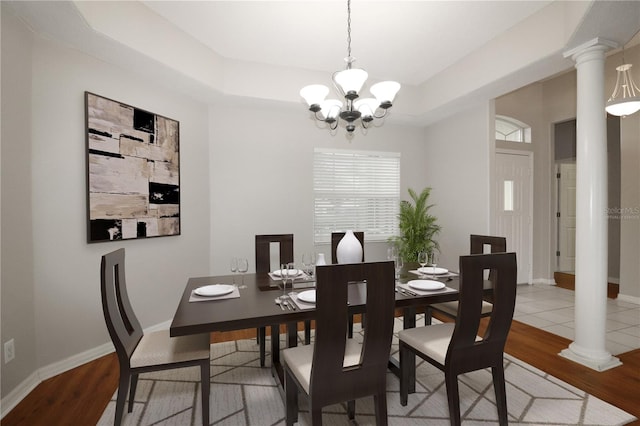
(256, 307)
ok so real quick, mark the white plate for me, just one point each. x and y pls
(308, 296)
(426, 285)
(430, 270)
(214, 290)
(292, 273)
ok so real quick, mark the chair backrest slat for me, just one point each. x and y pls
(263, 250)
(463, 347)
(328, 375)
(123, 325)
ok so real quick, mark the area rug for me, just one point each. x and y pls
(243, 393)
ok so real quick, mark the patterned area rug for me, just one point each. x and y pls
(242, 393)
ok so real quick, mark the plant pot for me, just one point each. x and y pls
(409, 266)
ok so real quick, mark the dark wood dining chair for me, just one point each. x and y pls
(335, 239)
(334, 368)
(263, 266)
(456, 348)
(479, 244)
(139, 352)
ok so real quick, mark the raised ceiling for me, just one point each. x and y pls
(447, 54)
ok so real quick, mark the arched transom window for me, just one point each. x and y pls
(512, 130)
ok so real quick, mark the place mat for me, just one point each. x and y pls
(447, 275)
(424, 292)
(299, 303)
(233, 295)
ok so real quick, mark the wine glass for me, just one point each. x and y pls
(433, 262)
(286, 272)
(423, 259)
(308, 262)
(234, 267)
(392, 253)
(398, 263)
(243, 267)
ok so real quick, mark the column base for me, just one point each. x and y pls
(593, 363)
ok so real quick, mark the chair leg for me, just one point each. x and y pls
(501, 393)
(123, 389)
(351, 409)
(350, 327)
(427, 315)
(307, 332)
(316, 416)
(380, 403)
(453, 397)
(205, 384)
(132, 391)
(407, 373)
(291, 398)
(262, 337)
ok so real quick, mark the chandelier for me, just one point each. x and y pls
(348, 83)
(625, 99)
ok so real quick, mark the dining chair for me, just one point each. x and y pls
(335, 368)
(456, 348)
(139, 352)
(263, 266)
(479, 245)
(335, 239)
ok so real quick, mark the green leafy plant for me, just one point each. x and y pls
(418, 228)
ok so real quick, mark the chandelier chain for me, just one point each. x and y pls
(349, 31)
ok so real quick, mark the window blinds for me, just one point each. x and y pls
(356, 190)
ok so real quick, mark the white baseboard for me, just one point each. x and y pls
(546, 281)
(630, 299)
(21, 391)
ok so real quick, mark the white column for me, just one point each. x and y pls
(588, 348)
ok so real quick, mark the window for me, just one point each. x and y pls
(508, 196)
(356, 190)
(512, 130)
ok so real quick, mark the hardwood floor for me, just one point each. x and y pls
(79, 396)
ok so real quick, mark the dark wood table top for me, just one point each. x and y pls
(256, 307)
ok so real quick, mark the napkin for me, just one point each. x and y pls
(196, 298)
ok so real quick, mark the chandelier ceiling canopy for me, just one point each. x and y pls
(348, 84)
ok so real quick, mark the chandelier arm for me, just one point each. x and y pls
(333, 125)
(384, 113)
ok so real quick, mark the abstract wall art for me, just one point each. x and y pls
(133, 172)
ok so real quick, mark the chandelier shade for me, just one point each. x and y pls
(385, 92)
(625, 99)
(349, 83)
(314, 94)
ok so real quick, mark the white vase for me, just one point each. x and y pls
(320, 260)
(349, 249)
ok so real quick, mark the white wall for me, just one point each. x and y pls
(262, 176)
(64, 290)
(17, 286)
(457, 167)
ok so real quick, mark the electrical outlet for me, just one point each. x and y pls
(9, 351)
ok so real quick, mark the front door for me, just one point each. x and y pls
(513, 217)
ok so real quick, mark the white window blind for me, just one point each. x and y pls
(356, 190)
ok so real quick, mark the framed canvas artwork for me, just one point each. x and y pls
(133, 172)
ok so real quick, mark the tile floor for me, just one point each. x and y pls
(551, 308)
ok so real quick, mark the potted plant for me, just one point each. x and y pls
(418, 228)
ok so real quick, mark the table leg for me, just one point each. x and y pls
(409, 321)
